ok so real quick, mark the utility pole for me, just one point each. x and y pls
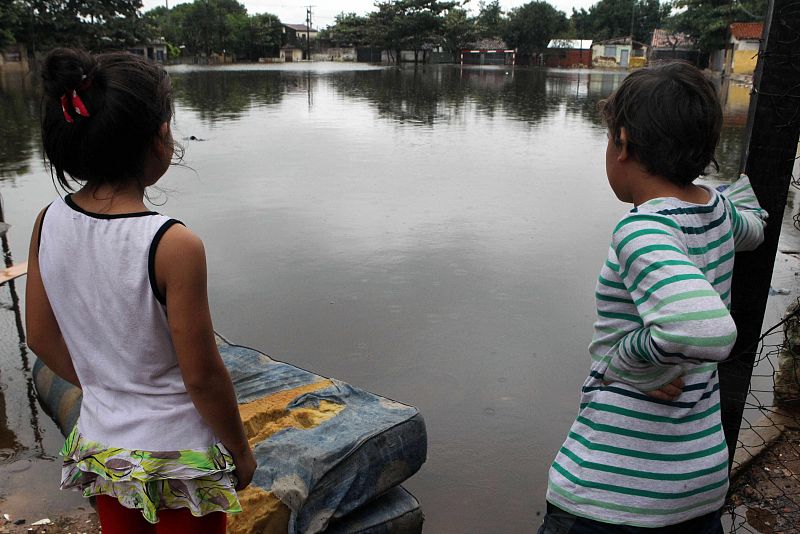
(308, 32)
(770, 148)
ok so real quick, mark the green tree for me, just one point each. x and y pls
(348, 29)
(458, 31)
(11, 14)
(265, 32)
(620, 18)
(531, 26)
(91, 24)
(408, 25)
(708, 20)
(490, 21)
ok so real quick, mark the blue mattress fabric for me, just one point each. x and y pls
(331, 453)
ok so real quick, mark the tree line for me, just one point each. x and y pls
(225, 26)
(420, 25)
(199, 27)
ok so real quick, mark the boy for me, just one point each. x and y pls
(647, 452)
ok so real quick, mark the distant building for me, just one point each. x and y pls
(291, 53)
(296, 33)
(741, 54)
(14, 59)
(667, 45)
(568, 53)
(297, 37)
(619, 52)
(488, 52)
(156, 50)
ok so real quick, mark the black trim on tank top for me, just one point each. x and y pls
(41, 225)
(151, 259)
(71, 203)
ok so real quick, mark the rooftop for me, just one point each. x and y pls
(667, 39)
(299, 27)
(747, 30)
(572, 44)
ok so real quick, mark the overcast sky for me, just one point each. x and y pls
(324, 11)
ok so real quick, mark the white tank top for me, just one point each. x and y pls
(98, 272)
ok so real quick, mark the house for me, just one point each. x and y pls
(296, 41)
(154, 50)
(488, 52)
(619, 52)
(674, 45)
(298, 33)
(290, 53)
(741, 53)
(568, 53)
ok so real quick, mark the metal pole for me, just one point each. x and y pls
(770, 148)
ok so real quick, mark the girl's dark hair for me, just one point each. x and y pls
(672, 118)
(127, 98)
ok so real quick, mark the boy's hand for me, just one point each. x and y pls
(668, 392)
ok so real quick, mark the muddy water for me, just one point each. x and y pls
(432, 235)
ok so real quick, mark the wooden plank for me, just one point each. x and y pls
(13, 272)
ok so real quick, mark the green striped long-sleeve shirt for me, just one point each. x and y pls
(663, 299)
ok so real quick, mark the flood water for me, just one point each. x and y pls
(432, 235)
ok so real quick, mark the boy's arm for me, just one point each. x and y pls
(681, 317)
(748, 218)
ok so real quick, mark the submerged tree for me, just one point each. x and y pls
(348, 29)
(458, 31)
(533, 25)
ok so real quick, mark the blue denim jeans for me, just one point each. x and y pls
(558, 521)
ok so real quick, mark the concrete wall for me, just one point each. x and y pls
(600, 57)
(291, 54)
(334, 54)
(744, 61)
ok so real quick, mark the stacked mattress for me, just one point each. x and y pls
(330, 456)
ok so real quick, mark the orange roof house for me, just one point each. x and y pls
(743, 45)
(747, 31)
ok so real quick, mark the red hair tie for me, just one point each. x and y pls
(75, 102)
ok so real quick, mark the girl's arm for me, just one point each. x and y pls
(43, 332)
(181, 277)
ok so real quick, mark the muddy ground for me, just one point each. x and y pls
(766, 496)
(80, 521)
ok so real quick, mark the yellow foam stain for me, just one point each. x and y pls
(265, 416)
(262, 513)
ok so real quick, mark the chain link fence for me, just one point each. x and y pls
(765, 484)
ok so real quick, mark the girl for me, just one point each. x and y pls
(117, 304)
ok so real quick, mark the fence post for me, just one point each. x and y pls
(770, 147)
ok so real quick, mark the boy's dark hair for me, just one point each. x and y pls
(672, 118)
(125, 100)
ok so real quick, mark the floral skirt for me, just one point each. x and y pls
(200, 480)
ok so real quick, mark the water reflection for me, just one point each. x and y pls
(411, 231)
(18, 124)
(427, 95)
(226, 95)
